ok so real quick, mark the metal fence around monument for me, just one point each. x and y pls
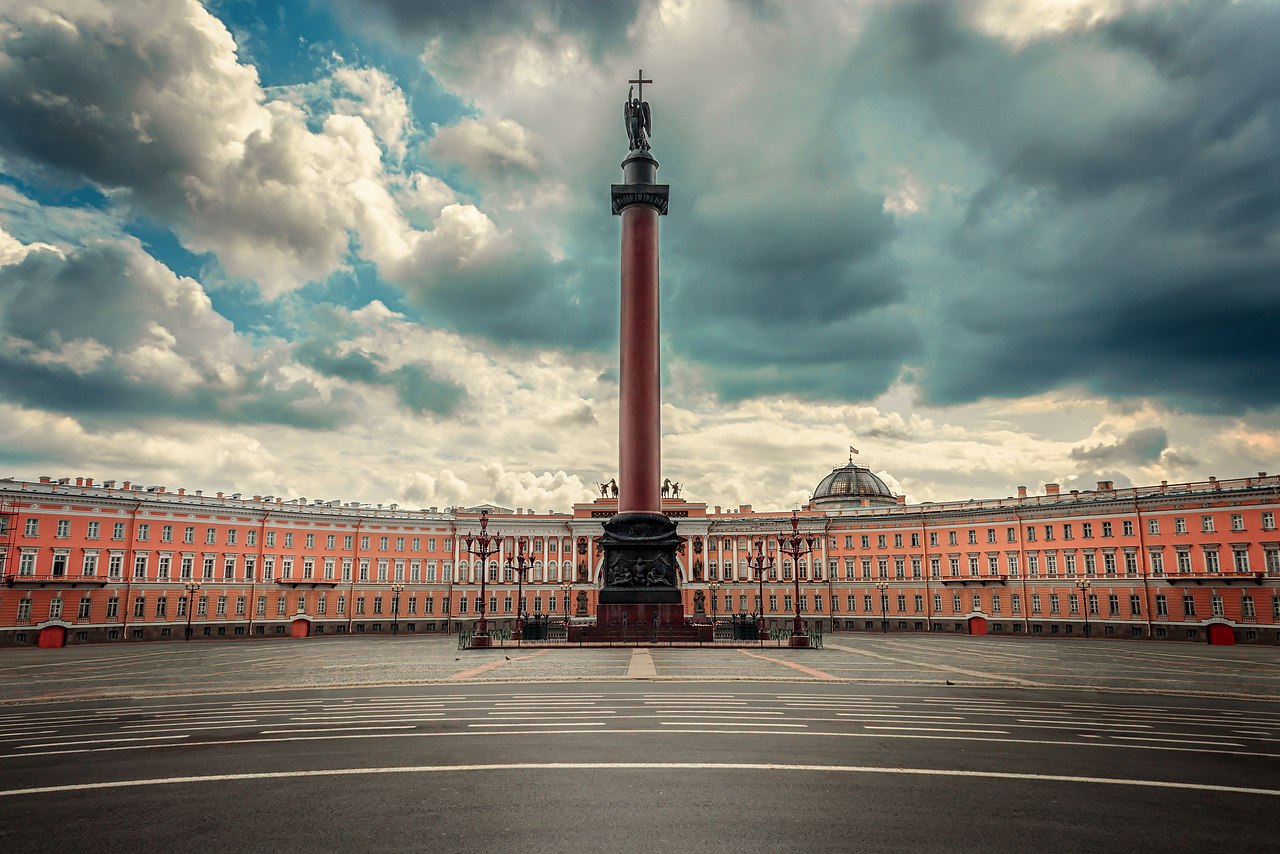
(738, 631)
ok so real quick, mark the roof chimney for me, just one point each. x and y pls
(1052, 489)
(182, 490)
(88, 481)
(902, 499)
(79, 481)
(1022, 492)
(1105, 485)
(44, 478)
(127, 485)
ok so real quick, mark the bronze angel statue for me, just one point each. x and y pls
(639, 121)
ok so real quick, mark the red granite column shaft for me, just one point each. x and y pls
(639, 428)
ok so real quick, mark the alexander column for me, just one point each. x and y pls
(639, 541)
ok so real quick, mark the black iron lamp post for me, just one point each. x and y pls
(1084, 584)
(567, 588)
(714, 588)
(192, 587)
(797, 546)
(396, 589)
(521, 565)
(482, 545)
(883, 586)
(759, 564)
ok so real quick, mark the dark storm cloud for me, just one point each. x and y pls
(414, 385)
(1125, 238)
(601, 22)
(103, 331)
(786, 287)
(1141, 447)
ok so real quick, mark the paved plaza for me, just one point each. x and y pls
(175, 668)
(874, 743)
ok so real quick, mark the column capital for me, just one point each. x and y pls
(626, 195)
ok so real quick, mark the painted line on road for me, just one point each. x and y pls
(817, 674)
(485, 668)
(938, 729)
(531, 724)
(96, 741)
(643, 766)
(752, 724)
(1179, 741)
(334, 729)
(568, 730)
(946, 668)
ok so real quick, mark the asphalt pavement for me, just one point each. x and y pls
(871, 744)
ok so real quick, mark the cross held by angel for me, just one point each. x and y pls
(636, 114)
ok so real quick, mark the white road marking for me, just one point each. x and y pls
(557, 712)
(96, 741)
(939, 729)
(1179, 741)
(752, 724)
(531, 724)
(644, 766)
(333, 729)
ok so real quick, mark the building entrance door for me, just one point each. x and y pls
(300, 629)
(977, 625)
(1221, 634)
(52, 637)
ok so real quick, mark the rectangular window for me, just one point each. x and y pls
(271, 538)
(166, 533)
(1031, 533)
(64, 529)
(55, 609)
(1268, 521)
(1211, 563)
(1135, 605)
(113, 608)
(162, 604)
(1162, 605)
(1055, 603)
(117, 531)
(93, 530)
(1015, 603)
(32, 528)
(1215, 602)
(189, 534)
(1153, 526)
(210, 536)
(288, 540)
(1106, 529)
(85, 604)
(1188, 605)
(1035, 603)
(310, 541)
(1179, 525)
(1240, 558)
(1206, 524)
(1048, 532)
(1127, 527)
(1113, 605)
(330, 542)
(933, 538)
(231, 536)
(222, 606)
(163, 567)
(1246, 607)
(251, 537)
(383, 543)
(139, 607)
(1157, 561)
(1066, 532)
(1086, 530)
(139, 566)
(973, 537)
(897, 541)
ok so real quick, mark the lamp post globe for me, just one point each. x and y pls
(797, 546)
(520, 565)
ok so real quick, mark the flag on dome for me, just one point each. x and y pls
(852, 449)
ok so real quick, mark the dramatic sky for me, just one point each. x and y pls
(362, 249)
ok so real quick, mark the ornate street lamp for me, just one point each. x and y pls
(521, 565)
(192, 587)
(395, 607)
(714, 587)
(482, 545)
(759, 564)
(1084, 584)
(567, 587)
(883, 586)
(797, 546)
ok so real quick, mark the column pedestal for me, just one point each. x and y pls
(640, 571)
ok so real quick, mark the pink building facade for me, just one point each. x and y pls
(116, 562)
